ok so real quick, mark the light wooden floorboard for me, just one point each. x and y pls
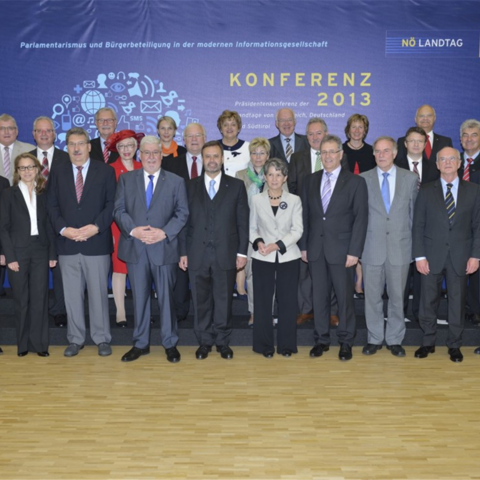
(373, 418)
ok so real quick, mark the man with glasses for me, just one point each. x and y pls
(151, 209)
(335, 216)
(80, 205)
(287, 142)
(50, 158)
(425, 119)
(10, 147)
(106, 123)
(446, 241)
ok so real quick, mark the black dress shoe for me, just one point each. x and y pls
(371, 349)
(135, 353)
(60, 320)
(455, 355)
(397, 350)
(122, 324)
(203, 351)
(22, 354)
(43, 354)
(269, 354)
(345, 352)
(1, 351)
(423, 352)
(317, 350)
(286, 353)
(476, 351)
(225, 352)
(173, 355)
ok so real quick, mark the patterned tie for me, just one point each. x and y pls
(45, 170)
(211, 190)
(327, 192)
(79, 184)
(106, 154)
(466, 172)
(428, 148)
(149, 191)
(450, 203)
(6, 163)
(318, 162)
(194, 171)
(386, 192)
(289, 150)
(415, 170)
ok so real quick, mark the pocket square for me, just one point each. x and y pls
(151, 106)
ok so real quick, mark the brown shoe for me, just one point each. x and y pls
(334, 320)
(304, 318)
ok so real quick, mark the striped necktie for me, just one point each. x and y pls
(79, 184)
(450, 203)
(415, 170)
(327, 192)
(6, 163)
(288, 150)
(45, 170)
(106, 154)
(466, 172)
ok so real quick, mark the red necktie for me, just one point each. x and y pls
(194, 172)
(428, 148)
(79, 184)
(45, 170)
(466, 172)
(106, 154)
(356, 170)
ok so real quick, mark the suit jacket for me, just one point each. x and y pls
(177, 165)
(15, 224)
(474, 166)
(439, 142)
(95, 207)
(276, 147)
(168, 210)
(300, 166)
(59, 156)
(430, 172)
(230, 236)
(96, 153)
(286, 226)
(18, 148)
(434, 238)
(390, 235)
(341, 230)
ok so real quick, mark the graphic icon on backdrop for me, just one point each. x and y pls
(138, 99)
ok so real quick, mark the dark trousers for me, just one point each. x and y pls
(414, 285)
(181, 294)
(58, 307)
(212, 290)
(280, 279)
(431, 291)
(473, 293)
(30, 297)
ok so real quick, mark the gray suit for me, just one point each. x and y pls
(157, 262)
(18, 148)
(387, 255)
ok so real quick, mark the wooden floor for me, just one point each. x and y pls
(375, 417)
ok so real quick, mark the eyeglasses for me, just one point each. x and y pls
(286, 120)
(49, 131)
(324, 153)
(449, 159)
(196, 135)
(105, 121)
(147, 153)
(7, 129)
(78, 144)
(28, 167)
(128, 146)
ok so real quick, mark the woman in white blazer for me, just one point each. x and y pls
(275, 228)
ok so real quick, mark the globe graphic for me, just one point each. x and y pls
(91, 101)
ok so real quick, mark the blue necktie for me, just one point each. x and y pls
(211, 190)
(327, 191)
(450, 203)
(149, 191)
(386, 192)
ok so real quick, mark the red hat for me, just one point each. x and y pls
(114, 138)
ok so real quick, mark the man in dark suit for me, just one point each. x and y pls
(335, 217)
(50, 157)
(446, 240)
(425, 119)
(80, 204)
(4, 183)
(151, 208)
(213, 246)
(187, 166)
(106, 123)
(287, 141)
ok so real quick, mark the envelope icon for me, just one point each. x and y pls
(151, 106)
(89, 84)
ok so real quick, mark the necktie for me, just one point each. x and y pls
(106, 154)
(45, 170)
(6, 163)
(327, 192)
(149, 192)
(450, 203)
(466, 172)
(194, 171)
(318, 162)
(356, 169)
(211, 190)
(289, 150)
(386, 192)
(415, 170)
(428, 148)
(79, 184)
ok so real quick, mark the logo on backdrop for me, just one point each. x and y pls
(138, 100)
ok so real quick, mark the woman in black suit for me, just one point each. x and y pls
(28, 243)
